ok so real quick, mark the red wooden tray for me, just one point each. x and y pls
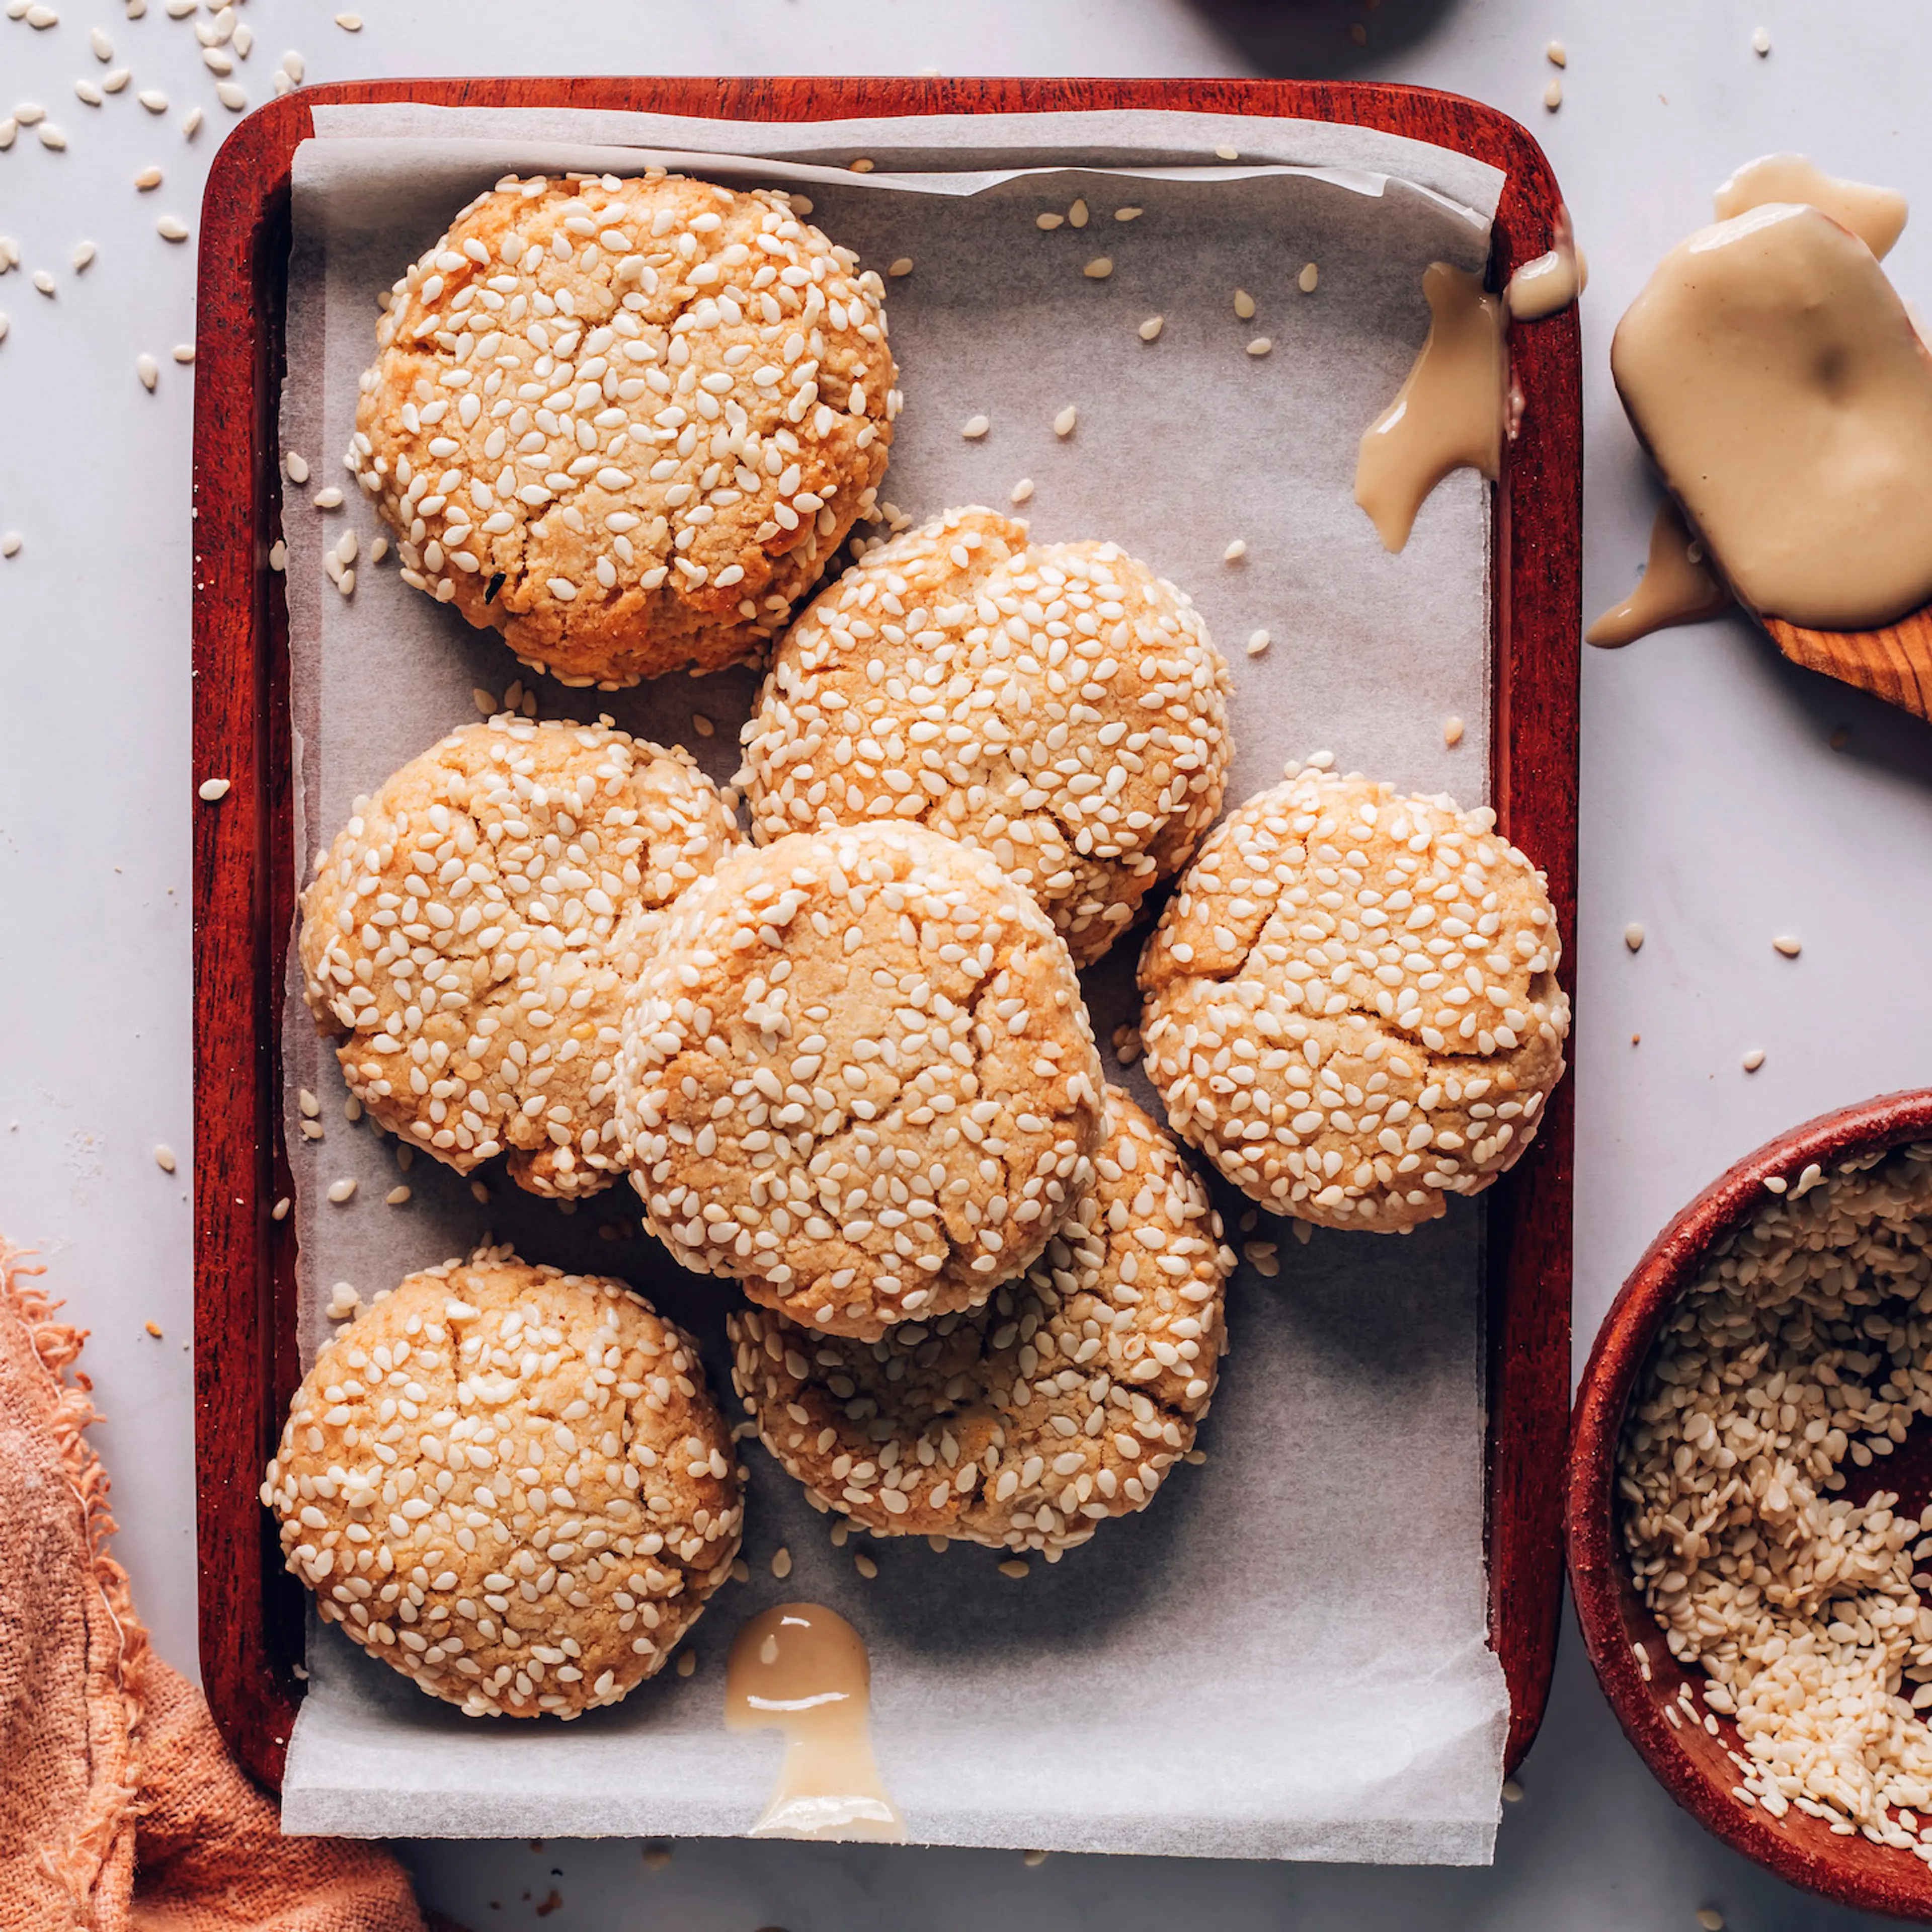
(245, 1360)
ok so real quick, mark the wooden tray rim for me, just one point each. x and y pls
(244, 890)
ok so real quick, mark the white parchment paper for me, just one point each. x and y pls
(1284, 1656)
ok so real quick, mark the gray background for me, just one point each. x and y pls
(1714, 810)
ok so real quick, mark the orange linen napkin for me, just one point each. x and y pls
(120, 1810)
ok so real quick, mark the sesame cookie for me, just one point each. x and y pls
(1026, 1422)
(1351, 1004)
(511, 1483)
(857, 1076)
(1057, 704)
(469, 938)
(626, 423)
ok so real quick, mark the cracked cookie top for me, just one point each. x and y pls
(1351, 1004)
(1058, 705)
(469, 938)
(1026, 1422)
(857, 1076)
(511, 1483)
(626, 423)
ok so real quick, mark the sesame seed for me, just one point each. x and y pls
(43, 281)
(656, 1857)
(1261, 345)
(1064, 423)
(1308, 278)
(1227, 153)
(29, 113)
(147, 177)
(1129, 213)
(190, 123)
(330, 499)
(1710, 1919)
(903, 266)
(212, 791)
(171, 228)
(1552, 95)
(278, 555)
(1049, 221)
(1634, 937)
(340, 1191)
(865, 1567)
(10, 544)
(10, 129)
(232, 96)
(164, 1157)
(687, 1663)
(781, 1563)
(1555, 55)
(701, 724)
(1235, 551)
(396, 1197)
(115, 79)
(87, 94)
(1786, 944)
(153, 1328)
(974, 428)
(293, 66)
(1244, 305)
(279, 1212)
(349, 23)
(153, 100)
(1258, 642)
(1150, 328)
(1076, 215)
(4, 325)
(1761, 42)
(104, 48)
(1030, 1859)
(83, 255)
(1015, 1569)
(296, 466)
(1452, 731)
(1753, 1059)
(1099, 268)
(1512, 1792)
(52, 136)
(40, 18)
(184, 352)
(860, 167)
(1022, 491)
(148, 370)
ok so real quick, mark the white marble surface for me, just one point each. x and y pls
(1713, 810)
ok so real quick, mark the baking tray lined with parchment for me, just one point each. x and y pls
(1306, 1585)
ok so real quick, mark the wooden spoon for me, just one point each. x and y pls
(1893, 663)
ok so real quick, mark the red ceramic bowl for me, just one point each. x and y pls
(1689, 1762)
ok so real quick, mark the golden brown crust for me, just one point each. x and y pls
(858, 1077)
(1352, 1003)
(510, 1484)
(626, 423)
(1026, 1422)
(470, 937)
(1057, 705)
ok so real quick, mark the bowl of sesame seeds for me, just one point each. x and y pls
(1750, 1506)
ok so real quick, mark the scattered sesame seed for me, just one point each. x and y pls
(153, 100)
(1244, 305)
(687, 1663)
(865, 1567)
(212, 791)
(278, 555)
(1015, 1568)
(147, 179)
(10, 545)
(1359, 34)
(1151, 327)
(1049, 221)
(1761, 42)
(349, 23)
(701, 724)
(781, 1563)
(861, 167)
(43, 281)
(396, 1197)
(340, 1191)
(40, 18)
(1634, 937)
(164, 1157)
(1309, 277)
(171, 228)
(1030, 1858)
(1553, 96)
(4, 325)
(741, 1570)
(903, 266)
(1711, 1919)
(975, 428)
(190, 123)
(295, 465)
(307, 1102)
(656, 1857)
(184, 352)
(87, 94)
(1228, 154)
(279, 1212)
(1753, 1059)
(243, 40)
(1022, 491)
(1235, 551)
(1788, 946)
(1261, 345)
(1555, 55)
(104, 48)
(148, 370)
(1512, 1792)
(330, 499)
(1099, 268)
(1258, 643)
(9, 128)
(1064, 423)
(1076, 215)
(1452, 731)
(153, 1328)
(232, 96)
(478, 1190)
(30, 113)
(1129, 213)
(113, 81)
(52, 136)
(294, 67)
(83, 255)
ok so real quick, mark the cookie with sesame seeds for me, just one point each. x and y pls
(625, 423)
(1026, 1422)
(1351, 1006)
(1057, 704)
(468, 940)
(858, 1077)
(510, 1484)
